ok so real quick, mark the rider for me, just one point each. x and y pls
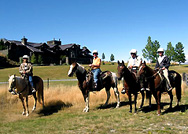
(95, 66)
(26, 71)
(163, 63)
(133, 64)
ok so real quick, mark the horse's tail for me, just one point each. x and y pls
(40, 90)
(178, 86)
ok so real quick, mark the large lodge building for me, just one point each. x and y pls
(52, 52)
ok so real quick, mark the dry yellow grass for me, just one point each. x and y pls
(11, 107)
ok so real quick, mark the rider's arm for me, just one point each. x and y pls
(21, 70)
(30, 69)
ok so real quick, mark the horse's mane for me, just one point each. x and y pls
(149, 70)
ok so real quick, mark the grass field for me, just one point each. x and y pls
(64, 105)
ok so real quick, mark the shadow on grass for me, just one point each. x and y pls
(181, 108)
(153, 107)
(53, 107)
(112, 105)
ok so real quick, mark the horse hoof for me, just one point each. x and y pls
(130, 111)
(27, 115)
(23, 113)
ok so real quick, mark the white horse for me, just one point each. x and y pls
(19, 86)
(109, 80)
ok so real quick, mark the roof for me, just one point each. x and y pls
(34, 49)
(63, 47)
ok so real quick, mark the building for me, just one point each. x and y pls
(52, 52)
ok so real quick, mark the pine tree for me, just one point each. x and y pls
(150, 51)
(179, 53)
(170, 51)
(103, 57)
(33, 59)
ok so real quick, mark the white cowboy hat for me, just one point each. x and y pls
(95, 52)
(160, 50)
(25, 57)
(133, 51)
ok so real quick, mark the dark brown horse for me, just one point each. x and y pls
(156, 82)
(86, 85)
(131, 85)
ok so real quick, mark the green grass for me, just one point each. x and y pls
(60, 72)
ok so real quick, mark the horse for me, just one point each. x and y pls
(19, 86)
(86, 85)
(131, 85)
(156, 82)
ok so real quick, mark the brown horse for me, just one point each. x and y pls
(156, 82)
(19, 86)
(131, 85)
(86, 85)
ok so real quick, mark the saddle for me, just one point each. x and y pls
(102, 76)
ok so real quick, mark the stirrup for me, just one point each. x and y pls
(123, 91)
(33, 91)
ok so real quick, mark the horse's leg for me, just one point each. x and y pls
(108, 96)
(148, 96)
(143, 95)
(35, 102)
(171, 98)
(116, 92)
(135, 101)
(22, 100)
(130, 101)
(158, 102)
(27, 108)
(86, 99)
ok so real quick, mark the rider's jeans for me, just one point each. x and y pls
(96, 73)
(31, 81)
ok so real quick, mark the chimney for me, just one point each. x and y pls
(24, 41)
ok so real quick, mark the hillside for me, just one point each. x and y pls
(5, 62)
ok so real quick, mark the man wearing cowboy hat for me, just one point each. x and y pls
(95, 66)
(163, 63)
(26, 71)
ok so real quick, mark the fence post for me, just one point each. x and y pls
(48, 83)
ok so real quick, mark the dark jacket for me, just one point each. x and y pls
(164, 63)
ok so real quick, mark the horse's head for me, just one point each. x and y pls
(142, 74)
(72, 69)
(76, 68)
(12, 83)
(120, 68)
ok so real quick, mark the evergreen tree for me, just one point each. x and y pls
(170, 51)
(33, 59)
(103, 57)
(179, 53)
(112, 58)
(40, 59)
(150, 51)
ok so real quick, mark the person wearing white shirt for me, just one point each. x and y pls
(133, 64)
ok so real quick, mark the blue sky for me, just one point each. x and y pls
(110, 26)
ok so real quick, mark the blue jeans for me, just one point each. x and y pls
(96, 73)
(31, 81)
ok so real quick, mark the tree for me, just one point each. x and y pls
(150, 51)
(103, 57)
(179, 53)
(33, 59)
(2, 45)
(112, 58)
(170, 51)
(40, 59)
